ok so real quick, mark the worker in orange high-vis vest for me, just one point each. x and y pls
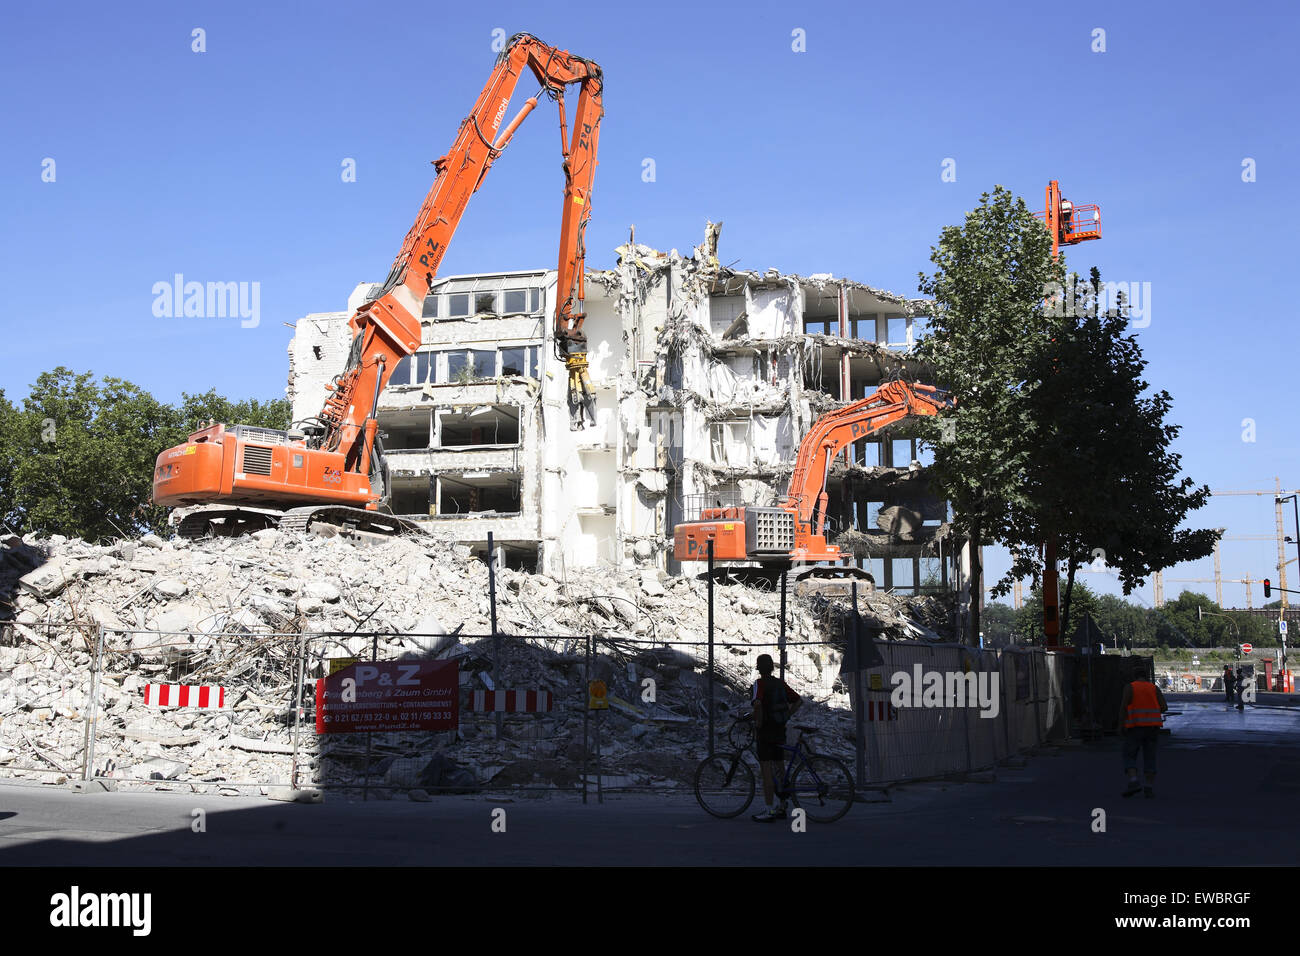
(1141, 715)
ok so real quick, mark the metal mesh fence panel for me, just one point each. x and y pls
(228, 711)
(522, 730)
(46, 685)
(206, 711)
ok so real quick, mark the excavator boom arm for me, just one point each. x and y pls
(891, 403)
(387, 328)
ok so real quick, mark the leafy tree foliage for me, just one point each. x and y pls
(78, 458)
(1175, 625)
(1102, 477)
(988, 325)
(1054, 433)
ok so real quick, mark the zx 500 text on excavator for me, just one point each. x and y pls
(330, 469)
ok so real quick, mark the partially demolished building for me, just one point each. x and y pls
(706, 380)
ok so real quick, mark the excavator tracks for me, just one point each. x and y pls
(230, 522)
(299, 520)
(224, 521)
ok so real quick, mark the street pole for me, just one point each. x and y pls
(710, 547)
(859, 699)
(496, 638)
(781, 638)
(1295, 507)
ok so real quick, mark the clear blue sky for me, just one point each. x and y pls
(225, 166)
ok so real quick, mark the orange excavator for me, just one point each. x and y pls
(794, 531)
(331, 470)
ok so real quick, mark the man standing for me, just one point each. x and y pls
(1227, 683)
(1241, 685)
(1141, 715)
(774, 704)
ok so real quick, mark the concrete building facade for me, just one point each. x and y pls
(706, 379)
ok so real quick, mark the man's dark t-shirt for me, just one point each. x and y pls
(767, 733)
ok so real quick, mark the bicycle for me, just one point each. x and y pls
(819, 785)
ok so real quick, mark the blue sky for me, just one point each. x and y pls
(225, 166)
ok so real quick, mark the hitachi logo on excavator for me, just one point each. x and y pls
(501, 112)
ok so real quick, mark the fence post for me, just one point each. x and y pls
(860, 686)
(297, 708)
(92, 713)
(496, 638)
(1007, 705)
(965, 711)
(781, 638)
(370, 734)
(993, 733)
(1039, 730)
(709, 545)
(586, 715)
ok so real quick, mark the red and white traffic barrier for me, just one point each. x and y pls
(881, 710)
(512, 701)
(202, 696)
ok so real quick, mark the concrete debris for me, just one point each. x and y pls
(896, 519)
(233, 611)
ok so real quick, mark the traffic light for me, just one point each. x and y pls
(1268, 588)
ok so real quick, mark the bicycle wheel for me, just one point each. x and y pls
(823, 788)
(724, 785)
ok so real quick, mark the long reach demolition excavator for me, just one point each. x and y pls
(794, 531)
(331, 469)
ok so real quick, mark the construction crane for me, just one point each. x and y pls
(332, 468)
(794, 531)
(1068, 224)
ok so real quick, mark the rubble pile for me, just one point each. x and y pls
(234, 611)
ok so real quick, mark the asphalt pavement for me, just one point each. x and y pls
(1229, 783)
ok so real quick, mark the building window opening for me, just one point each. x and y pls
(497, 493)
(484, 425)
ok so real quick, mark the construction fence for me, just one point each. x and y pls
(228, 711)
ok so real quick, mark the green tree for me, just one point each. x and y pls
(86, 456)
(8, 441)
(987, 328)
(78, 459)
(999, 623)
(213, 407)
(1102, 477)
(1029, 619)
(1125, 621)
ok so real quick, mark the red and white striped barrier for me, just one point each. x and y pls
(202, 696)
(881, 710)
(512, 701)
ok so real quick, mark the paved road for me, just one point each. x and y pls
(1228, 784)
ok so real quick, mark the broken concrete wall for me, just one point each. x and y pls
(703, 376)
(317, 352)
